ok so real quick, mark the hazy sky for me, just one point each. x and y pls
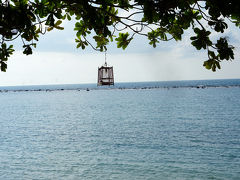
(57, 61)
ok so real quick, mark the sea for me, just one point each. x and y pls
(130, 131)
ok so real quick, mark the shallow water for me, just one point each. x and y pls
(172, 133)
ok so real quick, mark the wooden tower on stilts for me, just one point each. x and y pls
(105, 75)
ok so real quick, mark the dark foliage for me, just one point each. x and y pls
(158, 20)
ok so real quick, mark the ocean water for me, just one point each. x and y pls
(158, 130)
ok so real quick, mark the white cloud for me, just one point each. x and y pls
(58, 62)
(71, 68)
(50, 68)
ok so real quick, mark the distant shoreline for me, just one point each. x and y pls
(198, 84)
(119, 88)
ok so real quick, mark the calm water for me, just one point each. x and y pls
(160, 133)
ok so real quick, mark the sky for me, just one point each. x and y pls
(56, 60)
